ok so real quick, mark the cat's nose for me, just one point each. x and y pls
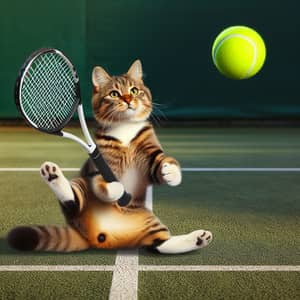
(127, 98)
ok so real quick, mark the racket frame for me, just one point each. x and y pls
(89, 145)
(21, 77)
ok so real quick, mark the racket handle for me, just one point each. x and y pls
(125, 199)
(107, 174)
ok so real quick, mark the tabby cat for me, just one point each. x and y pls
(121, 106)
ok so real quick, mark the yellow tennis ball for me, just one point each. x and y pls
(239, 52)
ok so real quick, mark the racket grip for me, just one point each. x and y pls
(125, 199)
(107, 174)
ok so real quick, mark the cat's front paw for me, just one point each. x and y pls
(171, 174)
(201, 238)
(115, 190)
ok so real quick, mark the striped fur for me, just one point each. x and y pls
(121, 105)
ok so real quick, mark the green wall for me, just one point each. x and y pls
(29, 25)
(173, 39)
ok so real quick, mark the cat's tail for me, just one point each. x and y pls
(46, 238)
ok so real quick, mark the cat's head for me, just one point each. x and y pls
(120, 98)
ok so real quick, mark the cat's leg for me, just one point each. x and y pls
(165, 169)
(156, 236)
(59, 184)
(108, 192)
(185, 243)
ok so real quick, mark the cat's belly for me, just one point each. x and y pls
(117, 227)
(134, 181)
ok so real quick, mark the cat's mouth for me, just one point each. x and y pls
(130, 111)
(131, 106)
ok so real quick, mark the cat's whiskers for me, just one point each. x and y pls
(158, 104)
(156, 108)
(102, 117)
(108, 116)
(156, 120)
(157, 114)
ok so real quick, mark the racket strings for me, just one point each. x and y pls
(48, 92)
(49, 67)
(33, 93)
(36, 79)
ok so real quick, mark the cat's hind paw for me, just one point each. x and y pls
(171, 174)
(202, 238)
(186, 242)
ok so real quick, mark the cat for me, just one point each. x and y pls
(122, 106)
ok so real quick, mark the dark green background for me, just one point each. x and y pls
(172, 38)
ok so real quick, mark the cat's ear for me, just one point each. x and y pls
(100, 77)
(136, 71)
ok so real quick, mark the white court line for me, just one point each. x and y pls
(183, 169)
(224, 268)
(149, 268)
(124, 284)
(240, 169)
(55, 268)
(125, 276)
(33, 169)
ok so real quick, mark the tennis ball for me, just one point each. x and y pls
(239, 52)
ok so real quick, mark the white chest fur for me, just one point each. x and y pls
(131, 180)
(125, 132)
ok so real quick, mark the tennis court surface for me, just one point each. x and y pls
(243, 184)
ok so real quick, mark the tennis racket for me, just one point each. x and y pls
(47, 93)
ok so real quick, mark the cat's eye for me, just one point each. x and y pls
(114, 94)
(134, 91)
